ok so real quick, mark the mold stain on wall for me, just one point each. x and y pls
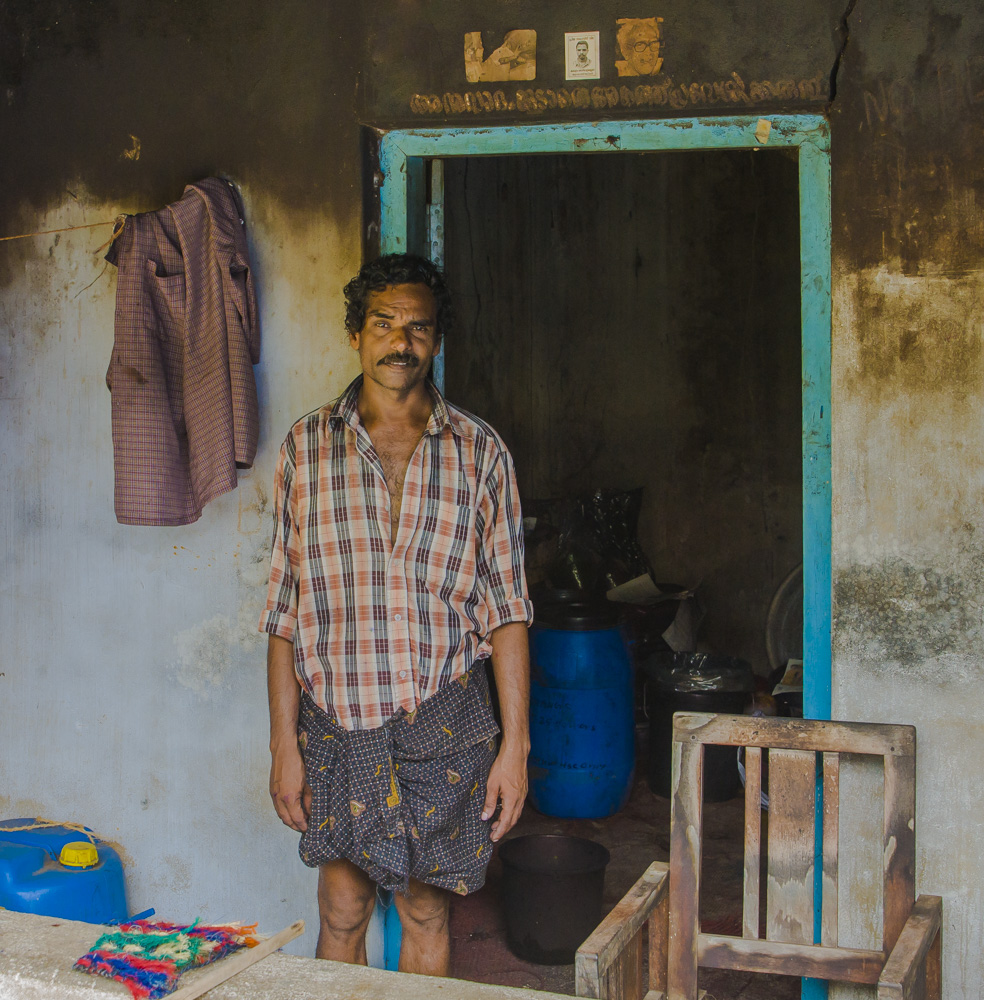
(911, 333)
(892, 615)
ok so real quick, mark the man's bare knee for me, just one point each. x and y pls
(346, 897)
(425, 907)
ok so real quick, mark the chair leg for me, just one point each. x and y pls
(659, 929)
(934, 968)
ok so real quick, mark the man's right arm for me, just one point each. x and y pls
(288, 787)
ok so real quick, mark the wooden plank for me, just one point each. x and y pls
(417, 241)
(685, 850)
(815, 356)
(623, 981)
(229, 967)
(831, 833)
(392, 197)
(718, 951)
(753, 842)
(906, 963)
(622, 924)
(796, 734)
(899, 846)
(659, 929)
(588, 980)
(733, 132)
(792, 819)
(934, 967)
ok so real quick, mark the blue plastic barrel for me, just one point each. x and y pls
(89, 886)
(384, 936)
(582, 746)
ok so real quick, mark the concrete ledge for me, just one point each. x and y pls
(37, 953)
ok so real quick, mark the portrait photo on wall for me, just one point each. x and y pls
(638, 41)
(582, 55)
(514, 59)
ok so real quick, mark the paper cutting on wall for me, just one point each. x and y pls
(514, 59)
(581, 48)
(638, 40)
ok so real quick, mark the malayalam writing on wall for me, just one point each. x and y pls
(635, 50)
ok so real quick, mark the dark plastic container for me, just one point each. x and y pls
(582, 751)
(695, 682)
(552, 889)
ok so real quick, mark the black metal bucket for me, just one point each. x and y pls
(552, 887)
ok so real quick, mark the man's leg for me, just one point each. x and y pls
(424, 913)
(346, 897)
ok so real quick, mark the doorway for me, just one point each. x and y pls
(792, 156)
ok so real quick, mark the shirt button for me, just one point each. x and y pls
(399, 618)
(403, 673)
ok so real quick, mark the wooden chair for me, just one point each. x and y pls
(609, 963)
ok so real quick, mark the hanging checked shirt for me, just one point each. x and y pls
(378, 626)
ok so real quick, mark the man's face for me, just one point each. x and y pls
(582, 52)
(642, 50)
(398, 340)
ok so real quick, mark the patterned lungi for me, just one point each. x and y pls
(404, 799)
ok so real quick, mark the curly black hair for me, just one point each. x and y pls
(396, 269)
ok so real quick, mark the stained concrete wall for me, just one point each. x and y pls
(907, 434)
(131, 692)
(132, 685)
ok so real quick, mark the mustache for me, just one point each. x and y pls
(411, 360)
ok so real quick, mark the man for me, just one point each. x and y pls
(397, 569)
(638, 41)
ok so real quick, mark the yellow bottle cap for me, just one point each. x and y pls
(79, 854)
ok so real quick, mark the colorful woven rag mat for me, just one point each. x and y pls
(149, 956)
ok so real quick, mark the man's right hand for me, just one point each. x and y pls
(289, 789)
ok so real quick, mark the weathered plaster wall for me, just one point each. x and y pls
(132, 686)
(908, 441)
(131, 691)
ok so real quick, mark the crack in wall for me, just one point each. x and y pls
(844, 31)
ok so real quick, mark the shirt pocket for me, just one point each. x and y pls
(165, 305)
(447, 534)
(445, 521)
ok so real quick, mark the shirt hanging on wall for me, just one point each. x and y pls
(184, 405)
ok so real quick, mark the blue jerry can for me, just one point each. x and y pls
(55, 871)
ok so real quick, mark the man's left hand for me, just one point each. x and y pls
(507, 785)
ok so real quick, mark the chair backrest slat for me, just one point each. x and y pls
(685, 850)
(791, 860)
(798, 734)
(753, 843)
(831, 836)
(899, 846)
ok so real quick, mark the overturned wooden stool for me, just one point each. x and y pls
(667, 897)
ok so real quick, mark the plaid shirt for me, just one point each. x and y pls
(379, 626)
(186, 339)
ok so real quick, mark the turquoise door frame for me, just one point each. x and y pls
(403, 226)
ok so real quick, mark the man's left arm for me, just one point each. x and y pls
(507, 779)
(510, 612)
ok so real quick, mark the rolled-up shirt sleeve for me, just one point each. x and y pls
(501, 575)
(280, 614)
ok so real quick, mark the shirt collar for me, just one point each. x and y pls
(346, 410)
